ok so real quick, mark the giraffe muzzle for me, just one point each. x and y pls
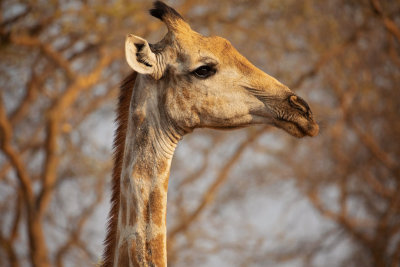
(308, 127)
(298, 119)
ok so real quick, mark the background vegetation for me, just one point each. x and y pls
(254, 197)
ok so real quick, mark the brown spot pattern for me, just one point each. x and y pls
(138, 118)
(146, 212)
(133, 254)
(162, 166)
(166, 183)
(123, 257)
(132, 216)
(139, 249)
(142, 168)
(156, 207)
(155, 249)
(185, 93)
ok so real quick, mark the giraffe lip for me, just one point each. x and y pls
(313, 129)
(296, 129)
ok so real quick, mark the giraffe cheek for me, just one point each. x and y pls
(182, 112)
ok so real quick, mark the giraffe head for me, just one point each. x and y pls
(205, 82)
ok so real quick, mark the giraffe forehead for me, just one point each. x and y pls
(195, 48)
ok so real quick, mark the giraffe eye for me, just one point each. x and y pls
(204, 71)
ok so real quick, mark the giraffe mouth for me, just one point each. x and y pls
(298, 129)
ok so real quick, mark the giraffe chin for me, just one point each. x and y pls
(296, 129)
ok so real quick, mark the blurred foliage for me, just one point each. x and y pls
(254, 197)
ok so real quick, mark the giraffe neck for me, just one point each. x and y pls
(149, 147)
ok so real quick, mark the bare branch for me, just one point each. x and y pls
(212, 190)
(5, 144)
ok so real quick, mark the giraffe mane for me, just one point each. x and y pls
(121, 121)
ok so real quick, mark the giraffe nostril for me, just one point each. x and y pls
(298, 103)
(292, 100)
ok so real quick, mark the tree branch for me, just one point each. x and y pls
(6, 133)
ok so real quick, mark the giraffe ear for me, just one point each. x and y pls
(139, 55)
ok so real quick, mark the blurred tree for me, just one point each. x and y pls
(250, 198)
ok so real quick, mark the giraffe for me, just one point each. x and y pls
(183, 82)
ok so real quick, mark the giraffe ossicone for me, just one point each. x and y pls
(185, 81)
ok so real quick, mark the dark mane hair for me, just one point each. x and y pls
(121, 120)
